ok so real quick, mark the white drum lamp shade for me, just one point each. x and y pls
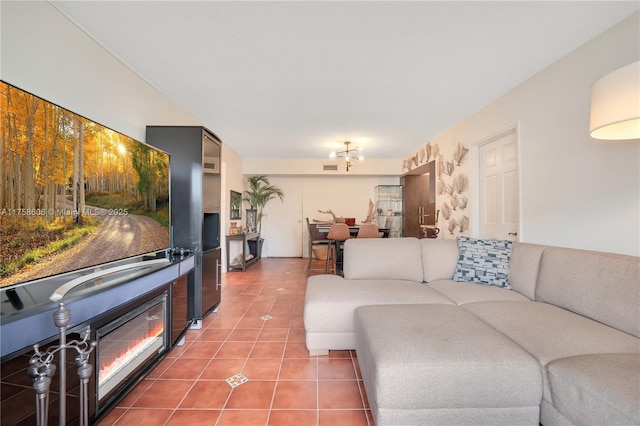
(615, 105)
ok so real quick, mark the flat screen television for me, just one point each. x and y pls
(73, 193)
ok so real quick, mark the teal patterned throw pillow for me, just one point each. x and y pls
(483, 261)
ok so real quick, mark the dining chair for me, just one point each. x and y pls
(338, 234)
(316, 239)
(368, 230)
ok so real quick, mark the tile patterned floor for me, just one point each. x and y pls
(258, 333)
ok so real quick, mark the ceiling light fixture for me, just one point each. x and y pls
(348, 154)
(615, 105)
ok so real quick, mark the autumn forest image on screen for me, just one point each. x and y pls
(74, 193)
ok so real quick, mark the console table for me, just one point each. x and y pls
(243, 238)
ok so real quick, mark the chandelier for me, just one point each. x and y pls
(349, 154)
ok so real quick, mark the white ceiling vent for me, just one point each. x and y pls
(330, 167)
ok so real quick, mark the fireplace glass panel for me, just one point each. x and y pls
(128, 343)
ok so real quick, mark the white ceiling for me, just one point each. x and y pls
(288, 79)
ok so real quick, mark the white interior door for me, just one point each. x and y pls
(499, 188)
(282, 221)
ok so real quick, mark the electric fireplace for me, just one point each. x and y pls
(127, 346)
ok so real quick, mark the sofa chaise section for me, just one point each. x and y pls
(330, 302)
(437, 364)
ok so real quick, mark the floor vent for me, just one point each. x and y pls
(330, 167)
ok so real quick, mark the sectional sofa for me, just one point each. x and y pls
(553, 339)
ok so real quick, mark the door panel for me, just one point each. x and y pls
(419, 206)
(282, 221)
(499, 192)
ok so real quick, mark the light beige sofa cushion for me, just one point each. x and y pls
(439, 258)
(382, 258)
(597, 389)
(463, 292)
(524, 267)
(437, 364)
(602, 286)
(550, 333)
(330, 302)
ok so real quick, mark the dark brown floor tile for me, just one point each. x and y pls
(194, 418)
(18, 406)
(339, 394)
(293, 417)
(342, 418)
(295, 395)
(207, 394)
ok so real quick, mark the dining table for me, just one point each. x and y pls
(353, 231)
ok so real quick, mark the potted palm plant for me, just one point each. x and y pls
(260, 192)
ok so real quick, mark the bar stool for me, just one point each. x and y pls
(316, 239)
(369, 230)
(338, 233)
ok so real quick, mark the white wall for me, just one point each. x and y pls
(314, 167)
(575, 191)
(42, 52)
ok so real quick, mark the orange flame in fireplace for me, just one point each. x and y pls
(128, 353)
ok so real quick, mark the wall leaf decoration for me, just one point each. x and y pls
(446, 211)
(460, 183)
(455, 202)
(440, 165)
(464, 224)
(449, 168)
(452, 225)
(460, 153)
(464, 201)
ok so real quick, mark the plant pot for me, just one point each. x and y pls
(255, 247)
